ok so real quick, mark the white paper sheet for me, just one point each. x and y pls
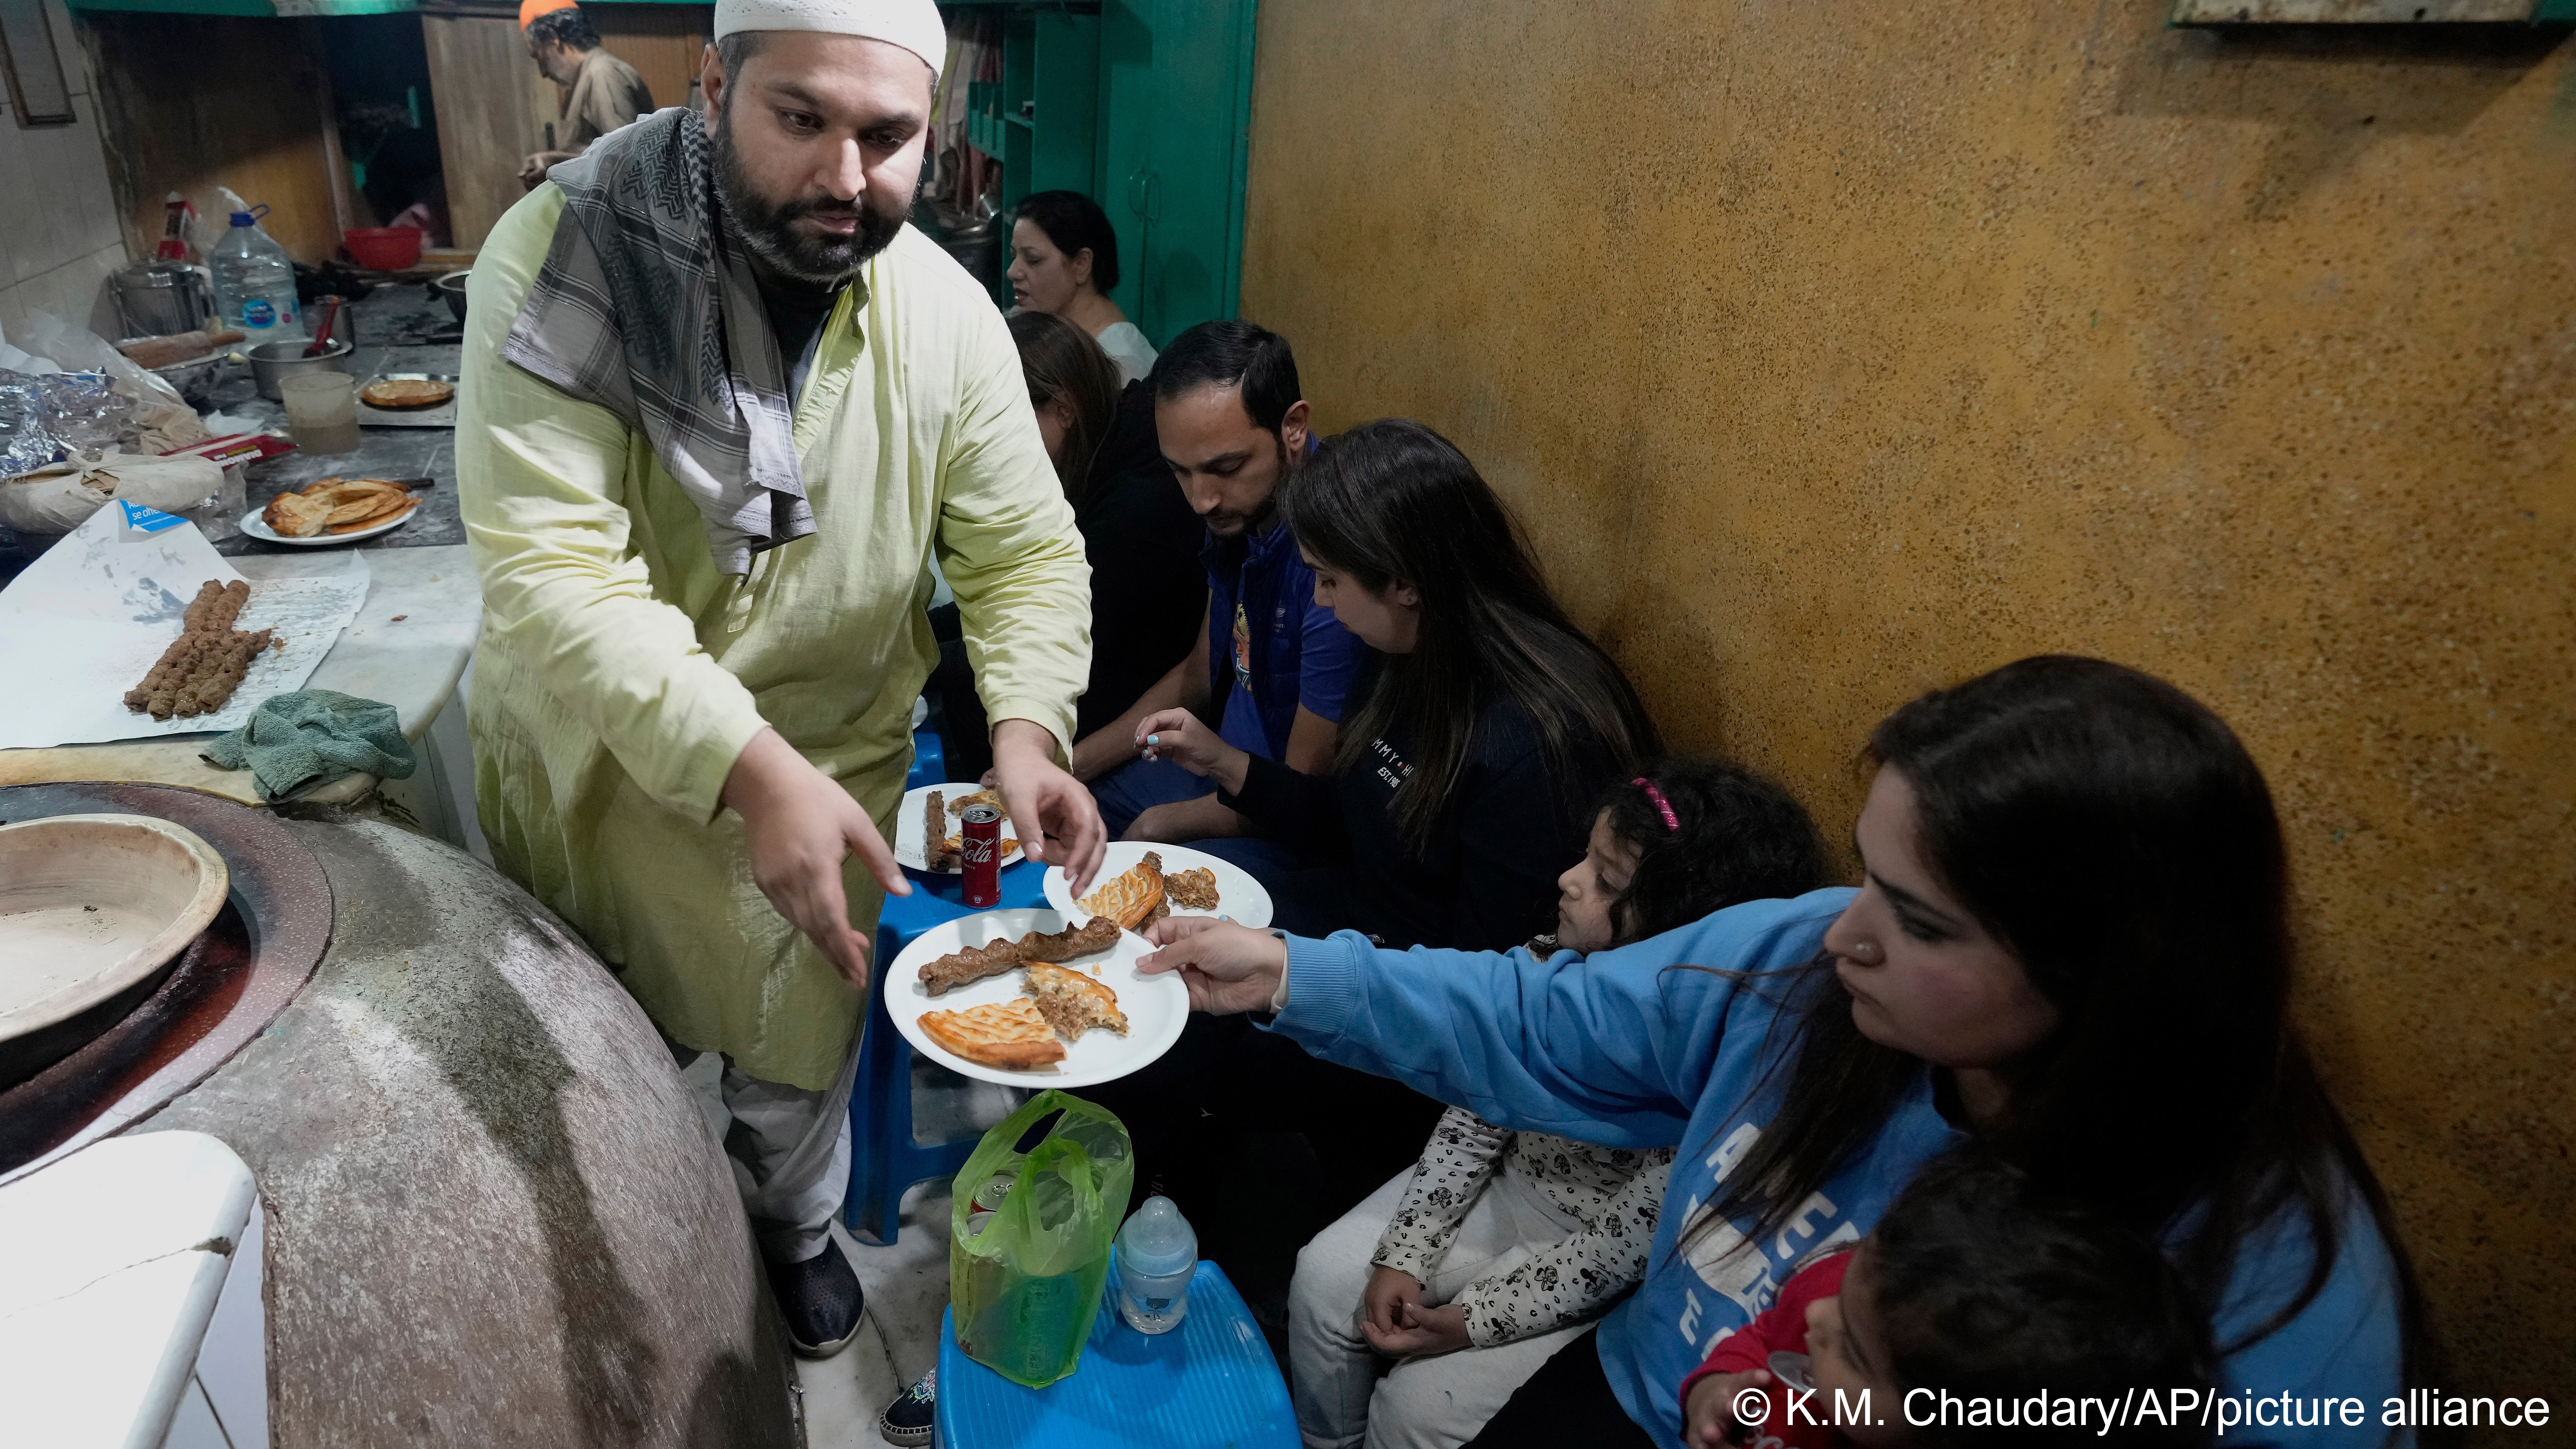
(85, 623)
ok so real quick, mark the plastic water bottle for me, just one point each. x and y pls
(1157, 1253)
(254, 282)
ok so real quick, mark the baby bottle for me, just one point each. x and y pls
(1157, 1253)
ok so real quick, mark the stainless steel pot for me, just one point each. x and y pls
(157, 299)
(270, 361)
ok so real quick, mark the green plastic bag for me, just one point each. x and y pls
(1024, 1280)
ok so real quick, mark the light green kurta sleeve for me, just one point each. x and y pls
(620, 674)
(543, 483)
(1023, 586)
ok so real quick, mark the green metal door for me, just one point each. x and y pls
(1176, 109)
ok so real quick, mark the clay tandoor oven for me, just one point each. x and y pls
(493, 1214)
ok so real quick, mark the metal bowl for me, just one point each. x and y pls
(93, 908)
(451, 285)
(270, 361)
(195, 378)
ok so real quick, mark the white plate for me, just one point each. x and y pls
(1157, 1007)
(907, 828)
(257, 527)
(1239, 898)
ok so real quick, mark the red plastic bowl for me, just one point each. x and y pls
(384, 248)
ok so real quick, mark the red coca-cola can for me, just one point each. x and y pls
(980, 845)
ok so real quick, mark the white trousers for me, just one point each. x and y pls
(790, 1148)
(1346, 1392)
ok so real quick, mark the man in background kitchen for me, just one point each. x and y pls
(600, 92)
(720, 408)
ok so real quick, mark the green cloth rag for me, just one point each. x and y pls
(314, 735)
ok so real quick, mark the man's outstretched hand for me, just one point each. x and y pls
(1051, 812)
(1228, 968)
(798, 825)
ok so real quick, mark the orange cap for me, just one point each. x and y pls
(531, 9)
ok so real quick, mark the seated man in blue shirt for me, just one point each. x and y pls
(1271, 665)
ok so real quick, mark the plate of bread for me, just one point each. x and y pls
(408, 400)
(332, 510)
(406, 392)
(1140, 883)
(1026, 998)
(913, 845)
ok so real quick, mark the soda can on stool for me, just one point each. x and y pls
(980, 845)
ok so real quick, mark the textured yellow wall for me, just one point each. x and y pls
(1834, 350)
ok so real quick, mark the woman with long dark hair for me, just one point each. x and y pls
(1488, 721)
(2071, 947)
(1073, 388)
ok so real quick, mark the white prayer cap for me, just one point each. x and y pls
(912, 24)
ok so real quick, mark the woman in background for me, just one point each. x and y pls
(1064, 261)
(1073, 388)
(1147, 586)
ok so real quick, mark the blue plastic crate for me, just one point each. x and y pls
(1208, 1384)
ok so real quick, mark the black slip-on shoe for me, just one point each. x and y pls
(908, 1420)
(821, 1299)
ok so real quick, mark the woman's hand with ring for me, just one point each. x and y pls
(1180, 737)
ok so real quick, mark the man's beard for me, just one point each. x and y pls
(768, 230)
(1258, 519)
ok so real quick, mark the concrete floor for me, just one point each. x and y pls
(907, 1287)
(907, 1283)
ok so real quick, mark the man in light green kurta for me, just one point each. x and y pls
(619, 675)
(670, 755)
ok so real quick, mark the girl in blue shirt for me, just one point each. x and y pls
(2071, 943)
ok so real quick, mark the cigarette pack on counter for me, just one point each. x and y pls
(236, 448)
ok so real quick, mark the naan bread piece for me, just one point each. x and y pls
(366, 512)
(1073, 1003)
(292, 515)
(1089, 939)
(1192, 890)
(1009, 1034)
(1133, 898)
(407, 392)
(350, 500)
(333, 492)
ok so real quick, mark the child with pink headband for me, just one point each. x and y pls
(1413, 1318)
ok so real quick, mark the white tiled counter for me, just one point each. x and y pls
(130, 1299)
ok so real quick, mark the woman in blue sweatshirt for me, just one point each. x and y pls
(2071, 944)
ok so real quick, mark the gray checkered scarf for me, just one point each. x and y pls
(646, 306)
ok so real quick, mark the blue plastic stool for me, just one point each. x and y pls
(1208, 1384)
(884, 1160)
(929, 761)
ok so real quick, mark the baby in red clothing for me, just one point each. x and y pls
(1968, 1288)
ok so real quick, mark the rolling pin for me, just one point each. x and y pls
(177, 347)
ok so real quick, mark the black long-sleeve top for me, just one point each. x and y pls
(1486, 877)
(1148, 588)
